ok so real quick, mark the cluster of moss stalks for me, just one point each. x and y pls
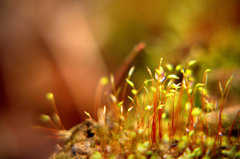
(168, 116)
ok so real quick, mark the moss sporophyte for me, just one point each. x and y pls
(165, 117)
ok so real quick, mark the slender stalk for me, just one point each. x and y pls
(234, 122)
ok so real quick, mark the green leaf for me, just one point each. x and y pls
(175, 86)
(45, 118)
(229, 81)
(164, 115)
(163, 91)
(210, 142)
(191, 63)
(182, 71)
(131, 99)
(178, 68)
(149, 71)
(207, 70)
(203, 91)
(146, 82)
(113, 98)
(131, 156)
(134, 91)
(170, 83)
(220, 88)
(146, 89)
(120, 103)
(160, 74)
(130, 83)
(129, 109)
(87, 114)
(191, 133)
(169, 95)
(49, 96)
(148, 107)
(173, 91)
(140, 148)
(112, 79)
(196, 111)
(104, 81)
(153, 89)
(200, 85)
(131, 71)
(189, 91)
(188, 72)
(169, 67)
(208, 105)
(160, 106)
(96, 155)
(172, 76)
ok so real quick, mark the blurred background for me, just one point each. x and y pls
(65, 46)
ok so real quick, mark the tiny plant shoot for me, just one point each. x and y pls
(168, 116)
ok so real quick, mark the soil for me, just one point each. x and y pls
(81, 143)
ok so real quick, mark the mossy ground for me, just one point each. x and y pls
(168, 116)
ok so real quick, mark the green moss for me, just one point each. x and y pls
(165, 118)
(96, 155)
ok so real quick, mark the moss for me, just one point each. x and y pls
(96, 155)
(164, 119)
